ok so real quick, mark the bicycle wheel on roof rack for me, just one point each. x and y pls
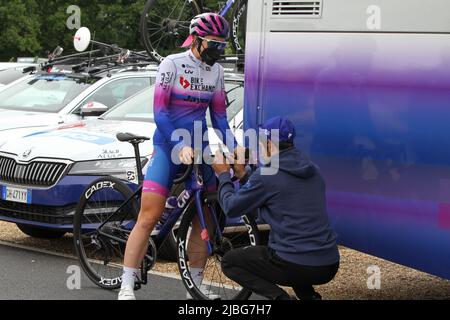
(236, 17)
(239, 27)
(165, 26)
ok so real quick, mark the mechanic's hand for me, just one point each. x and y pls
(239, 155)
(220, 164)
(240, 162)
(186, 155)
(239, 170)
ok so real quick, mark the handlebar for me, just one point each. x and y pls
(190, 168)
(185, 175)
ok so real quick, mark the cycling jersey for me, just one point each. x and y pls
(185, 88)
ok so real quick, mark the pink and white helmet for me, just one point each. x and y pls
(207, 24)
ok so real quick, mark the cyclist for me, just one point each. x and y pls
(302, 249)
(187, 84)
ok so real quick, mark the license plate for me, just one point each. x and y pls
(16, 195)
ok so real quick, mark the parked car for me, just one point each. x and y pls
(10, 72)
(57, 97)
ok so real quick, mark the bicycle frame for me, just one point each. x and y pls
(189, 196)
(227, 7)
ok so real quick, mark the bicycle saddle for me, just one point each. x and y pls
(129, 137)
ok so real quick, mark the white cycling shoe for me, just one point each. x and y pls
(127, 294)
(207, 292)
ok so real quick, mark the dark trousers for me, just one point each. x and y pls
(260, 270)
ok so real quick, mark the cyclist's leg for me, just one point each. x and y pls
(158, 182)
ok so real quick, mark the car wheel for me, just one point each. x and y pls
(41, 233)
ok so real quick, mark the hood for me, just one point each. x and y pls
(82, 141)
(6, 135)
(26, 119)
(296, 163)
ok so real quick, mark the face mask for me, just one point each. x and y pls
(212, 53)
(210, 56)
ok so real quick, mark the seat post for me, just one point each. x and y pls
(138, 162)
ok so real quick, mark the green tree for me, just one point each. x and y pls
(33, 28)
(19, 28)
(114, 21)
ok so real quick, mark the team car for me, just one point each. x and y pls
(62, 96)
(10, 72)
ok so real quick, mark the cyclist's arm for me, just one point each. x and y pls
(249, 197)
(164, 83)
(218, 111)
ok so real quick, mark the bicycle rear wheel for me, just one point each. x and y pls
(98, 248)
(165, 26)
(231, 237)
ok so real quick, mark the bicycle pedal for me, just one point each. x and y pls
(137, 286)
(139, 282)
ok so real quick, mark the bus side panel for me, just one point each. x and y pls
(373, 111)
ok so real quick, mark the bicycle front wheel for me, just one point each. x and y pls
(103, 220)
(165, 26)
(214, 285)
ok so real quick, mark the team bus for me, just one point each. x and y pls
(367, 83)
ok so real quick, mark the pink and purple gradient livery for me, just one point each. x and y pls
(373, 111)
(185, 89)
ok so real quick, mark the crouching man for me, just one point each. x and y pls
(302, 250)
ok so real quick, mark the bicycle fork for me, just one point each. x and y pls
(201, 217)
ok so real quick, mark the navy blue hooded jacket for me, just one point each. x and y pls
(293, 203)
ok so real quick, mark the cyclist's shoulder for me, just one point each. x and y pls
(178, 57)
(167, 65)
(219, 67)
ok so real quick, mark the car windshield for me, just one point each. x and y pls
(42, 93)
(140, 106)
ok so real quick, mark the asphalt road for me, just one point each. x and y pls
(30, 275)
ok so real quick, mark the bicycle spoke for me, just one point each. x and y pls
(155, 23)
(108, 209)
(155, 33)
(159, 41)
(173, 18)
(178, 2)
(182, 9)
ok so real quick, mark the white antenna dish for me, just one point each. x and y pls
(82, 39)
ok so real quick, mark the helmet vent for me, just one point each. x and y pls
(306, 9)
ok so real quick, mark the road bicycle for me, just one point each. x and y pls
(107, 213)
(165, 24)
